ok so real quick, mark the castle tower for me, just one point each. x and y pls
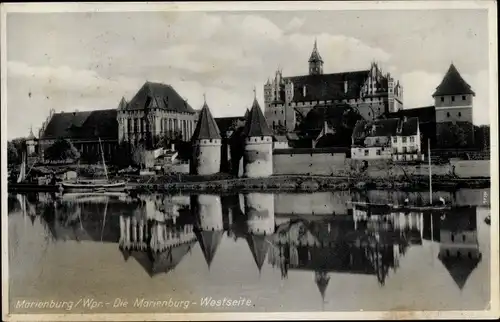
(209, 224)
(315, 61)
(453, 99)
(30, 143)
(207, 143)
(123, 121)
(258, 154)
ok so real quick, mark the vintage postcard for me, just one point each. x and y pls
(246, 160)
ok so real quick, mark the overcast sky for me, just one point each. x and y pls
(87, 61)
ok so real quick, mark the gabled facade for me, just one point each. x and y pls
(370, 91)
(156, 110)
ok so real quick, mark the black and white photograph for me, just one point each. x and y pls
(246, 160)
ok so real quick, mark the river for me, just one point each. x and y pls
(253, 252)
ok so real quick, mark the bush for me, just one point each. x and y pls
(62, 149)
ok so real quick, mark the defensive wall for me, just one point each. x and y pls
(334, 162)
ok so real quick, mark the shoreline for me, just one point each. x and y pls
(309, 184)
(286, 183)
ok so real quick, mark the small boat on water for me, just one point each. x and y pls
(98, 185)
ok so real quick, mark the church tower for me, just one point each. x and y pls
(315, 61)
(453, 99)
(258, 154)
(207, 143)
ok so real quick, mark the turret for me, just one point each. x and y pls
(207, 143)
(258, 155)
(31, 143)
(123, 122)
(315, 61)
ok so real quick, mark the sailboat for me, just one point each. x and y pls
(105, 185)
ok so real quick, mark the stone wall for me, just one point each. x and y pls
(307, 161)
(325, 162)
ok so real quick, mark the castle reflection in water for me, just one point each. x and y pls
(157, 231)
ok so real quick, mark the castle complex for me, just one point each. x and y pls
(245, 144)
(371, 92)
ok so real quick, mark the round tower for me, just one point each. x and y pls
(207, 143)
(258, 155)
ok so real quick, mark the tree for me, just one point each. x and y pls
(62, 149)
(452, 136)
(12, 154)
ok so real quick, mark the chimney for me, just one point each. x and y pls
(345, 87)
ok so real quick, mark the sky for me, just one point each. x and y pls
(88, 61)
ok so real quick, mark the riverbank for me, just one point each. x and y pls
(304, 184)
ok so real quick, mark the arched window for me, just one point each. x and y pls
(459, 114)
(448, 114)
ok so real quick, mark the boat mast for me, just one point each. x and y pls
(103, 163)
(430, 169)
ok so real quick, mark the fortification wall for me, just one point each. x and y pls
(306, 161)
(331, 162)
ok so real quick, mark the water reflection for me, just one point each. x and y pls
(158, 231)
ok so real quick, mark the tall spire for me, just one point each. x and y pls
(453, 84)
(315, 61)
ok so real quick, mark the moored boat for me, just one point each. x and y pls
(99, 185)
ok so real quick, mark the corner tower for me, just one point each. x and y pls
(207, 144)
(258, 154)
(315, 61)
(453, 99)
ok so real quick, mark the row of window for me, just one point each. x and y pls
(453, 98)
(395, 151)
(459, 114)
(404, 139)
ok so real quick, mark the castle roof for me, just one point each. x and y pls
(83, 125)
(31, 136)
(158, 95)
(209, 242)
(206, 128)
(453, 84)
(315, 56)
(327, 86)
(256, 124)
(259, 245)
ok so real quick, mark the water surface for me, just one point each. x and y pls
(265, 252)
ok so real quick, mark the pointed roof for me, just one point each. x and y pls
(453, 84)
(459, 268)
(209, 242)
(322, 279)
(315, 56)
(259, 245)
(31, 136)
(206, 128)
(123, 104)
(246, 113)
(256, 124)
(158, 95)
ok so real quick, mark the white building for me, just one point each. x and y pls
(387, 139)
